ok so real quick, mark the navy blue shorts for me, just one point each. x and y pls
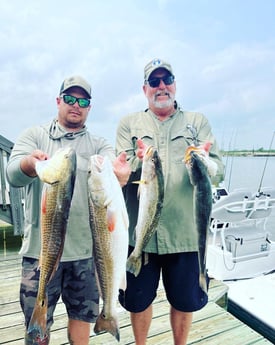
(180, 275)
(74, 281)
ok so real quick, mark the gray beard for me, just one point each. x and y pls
(165, 104)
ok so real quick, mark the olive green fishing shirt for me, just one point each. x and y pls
(176, 230)
(49, 138)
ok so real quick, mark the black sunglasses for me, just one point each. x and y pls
(168, 80)
(71, 100)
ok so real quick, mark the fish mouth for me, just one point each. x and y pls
(149, 151)
(189, 153)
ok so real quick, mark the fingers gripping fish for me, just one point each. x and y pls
(200, 168)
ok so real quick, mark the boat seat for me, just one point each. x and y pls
(242, 211)
(233, 207)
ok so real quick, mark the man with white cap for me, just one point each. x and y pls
(74, 279)
(172, 250)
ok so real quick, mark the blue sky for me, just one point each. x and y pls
(222, 53)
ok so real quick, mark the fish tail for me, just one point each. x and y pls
(107, 325)
(133, 264)
(203, 283)
(38, 323)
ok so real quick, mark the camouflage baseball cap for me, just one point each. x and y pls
(155, 64)
(76, 81)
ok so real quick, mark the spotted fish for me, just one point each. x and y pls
(151, 194)
(200, 168)
(58, 175)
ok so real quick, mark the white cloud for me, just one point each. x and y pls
(223, 68)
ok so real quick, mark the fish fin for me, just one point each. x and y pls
(56, 265)
(98, 283)
(39, 263)
(111, 220)
(125, 221)
(104, 324)
(43, 202)
(123, 283)
(133, 264)
(38, 322)
(54, 270)
(203, 283)
(146, 258)
(139, 182)
(134, 235)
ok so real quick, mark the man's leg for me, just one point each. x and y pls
(78, 332)
(28, 291)
(181, 323)
(181, 281)
(80, 295)
(139, 295)
(141, 323)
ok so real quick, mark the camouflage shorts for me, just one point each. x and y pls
(74, 281)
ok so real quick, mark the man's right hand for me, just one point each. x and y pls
(28, 162)
(141, 148)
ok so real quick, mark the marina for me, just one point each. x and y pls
(226, 318)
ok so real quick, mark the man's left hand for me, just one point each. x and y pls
(122, 168)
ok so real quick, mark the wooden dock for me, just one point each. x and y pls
(212, 325)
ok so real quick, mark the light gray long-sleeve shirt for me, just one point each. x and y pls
(49, 138)
(176, 230)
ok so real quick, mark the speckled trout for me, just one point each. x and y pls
(200, 168)
(109, 225)
(151, 194)
(58, 175)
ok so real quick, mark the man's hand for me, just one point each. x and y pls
(28, 162)
(141, 148)
(122, 168)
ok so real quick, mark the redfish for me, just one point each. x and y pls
(58, 175)
(200, 168)
(109, 225)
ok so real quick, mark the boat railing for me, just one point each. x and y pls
(11, 199)
(240, 206)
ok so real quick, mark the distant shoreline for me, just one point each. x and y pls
(246, 153)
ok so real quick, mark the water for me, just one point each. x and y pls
(250, 172)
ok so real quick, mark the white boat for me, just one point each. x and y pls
(240, 246)
(241, 253)
(253, 302)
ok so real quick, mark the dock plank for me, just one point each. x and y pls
(211, 325)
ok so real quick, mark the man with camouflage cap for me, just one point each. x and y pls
(74, 279)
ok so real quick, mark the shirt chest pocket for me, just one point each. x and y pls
(180, 140)
(145, 135)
